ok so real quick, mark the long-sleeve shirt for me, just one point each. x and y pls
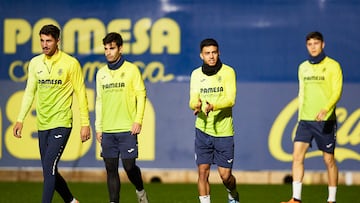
(218, 90)
(53, 80)
(120, 98)
(320, 87)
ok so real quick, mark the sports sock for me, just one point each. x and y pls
(140, 193)
(74, 201)
(332, 194)
(233, 194)
(204, 199)
(297, 187)
(230, 185)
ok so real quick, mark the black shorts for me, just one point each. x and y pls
(324, 133)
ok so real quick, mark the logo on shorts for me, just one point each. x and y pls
(57, 136)
(131, 150)
(230, 161)
(329, 145)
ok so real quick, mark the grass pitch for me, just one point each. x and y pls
(30, 192)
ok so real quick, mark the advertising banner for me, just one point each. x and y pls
(263, 41)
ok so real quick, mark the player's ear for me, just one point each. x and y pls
(120, 49)
(201, 57)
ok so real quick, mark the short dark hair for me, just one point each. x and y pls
(208, 42)
(113, 37)
(315, 35)
(52, 30)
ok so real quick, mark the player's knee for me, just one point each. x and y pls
(330, 162)
(129, 165)
(111, 164)
(227, 177)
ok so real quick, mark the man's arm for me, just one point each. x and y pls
(77, 81)
(230, 92)
(28, 98)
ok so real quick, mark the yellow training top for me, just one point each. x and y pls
(120, 98)
(220, 91)
(320, 87)
(53, 81)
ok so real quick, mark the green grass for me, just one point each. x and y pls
(30, 192)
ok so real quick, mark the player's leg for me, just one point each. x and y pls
(332, 171)
(129, 152)
(300, 149)
(133, 172)
(229, 182)
(224, 158)
(203, 183)
(326, 141)
(204, 157)
(60, 184)
(299, 152)
(62, 188)
(113, 178)
(302, 142)
(110, 153)
(48, 187)
(203, 179)
(55, 141)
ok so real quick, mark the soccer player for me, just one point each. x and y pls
(320, 87)
(53, 78)
(212, 96)
(120, 105)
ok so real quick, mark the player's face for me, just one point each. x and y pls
(210, 55)
(315, 47)
(112, 52)
(49, 44)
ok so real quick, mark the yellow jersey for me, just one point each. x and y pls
(220, 91)
(320, 87)
(120, 98)
(53, 80)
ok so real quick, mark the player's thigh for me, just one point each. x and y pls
(304, 132)
(204, 148)
(325, 136)
(109, 146)
(224, 151)
(300, 149)
(224, 173)
(128, 145)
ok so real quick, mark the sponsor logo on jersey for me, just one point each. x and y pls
(211, 90)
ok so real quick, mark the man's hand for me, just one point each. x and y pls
(99, 136)
(209, 107)
(321, 115)
(136, 128)
(17, 129)
(85, 133)
(197, 107)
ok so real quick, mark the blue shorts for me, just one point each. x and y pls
(214, 150)
(123, 145)
(324, 133)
